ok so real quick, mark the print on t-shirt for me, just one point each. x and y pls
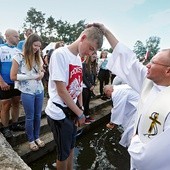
(75, 80)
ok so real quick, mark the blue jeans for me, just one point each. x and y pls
(33, 107)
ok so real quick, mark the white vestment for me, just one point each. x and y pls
(123, 113)
(149, 151)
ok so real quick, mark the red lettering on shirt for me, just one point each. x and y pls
(75, 80)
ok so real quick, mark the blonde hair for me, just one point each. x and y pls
(59, 44)
(91, 66)
(29, 54)
(94, 34)
(103, 52)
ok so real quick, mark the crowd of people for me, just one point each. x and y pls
(72, 73)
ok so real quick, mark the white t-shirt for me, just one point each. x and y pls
(6, 55)
(66, 67)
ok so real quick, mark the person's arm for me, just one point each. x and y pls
(80, 101)
(65, 96)
(41, 72)
(3, 84)
(151, 155)
(15, 76)
(46, 60)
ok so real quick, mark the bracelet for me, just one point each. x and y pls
(81, 116)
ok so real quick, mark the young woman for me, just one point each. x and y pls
(89, 76)
(104, 73)
(27, 71)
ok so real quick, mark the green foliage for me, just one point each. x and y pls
(110, 50)
(51, 30)
(35, 20)
(152, 47)
(51, 24)
(139, 49)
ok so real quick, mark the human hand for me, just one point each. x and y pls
(4, 86)
(81, 120)
(106, 32)
(92, 88)
(40, 76)
(98, 25)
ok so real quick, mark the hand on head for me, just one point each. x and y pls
(98, 25)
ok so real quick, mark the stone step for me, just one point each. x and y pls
(20, 137)
(100, 115)
(21, 118)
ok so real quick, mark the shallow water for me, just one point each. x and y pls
(98, 149)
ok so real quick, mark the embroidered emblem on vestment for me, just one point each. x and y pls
(153, 129)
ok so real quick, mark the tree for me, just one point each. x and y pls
(51, 24)
(152, 46)
(139, 49)
(51, 30)
(67, 32)
(76, 30)
(35, 20)
(149, 50)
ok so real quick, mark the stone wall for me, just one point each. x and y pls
(9, 159)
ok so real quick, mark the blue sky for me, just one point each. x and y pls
(129, 20)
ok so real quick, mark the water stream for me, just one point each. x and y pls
(98, 149)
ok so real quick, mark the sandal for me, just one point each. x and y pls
(33, 146)
(40, 143)
(110, 125)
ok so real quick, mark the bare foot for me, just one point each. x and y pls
(110, 125)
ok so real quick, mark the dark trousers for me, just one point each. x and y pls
(112, 78)
(86, 100)
(103, 77)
